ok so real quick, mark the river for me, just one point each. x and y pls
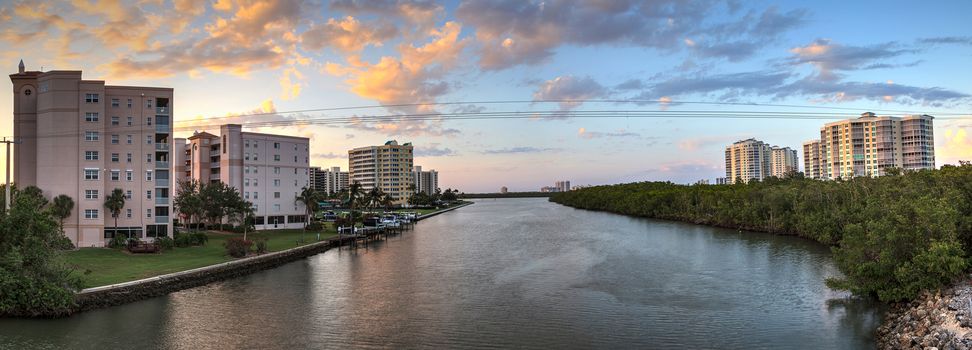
(503, 273)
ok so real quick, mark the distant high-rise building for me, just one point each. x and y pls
(752, 159)
(721, 181)
(869, 145)
(504, 190)
(388, 167)
(426, 181)
(84, 139)
(328, 181)
(269, 170)
(811, 159)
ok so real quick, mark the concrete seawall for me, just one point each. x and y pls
(127, 292)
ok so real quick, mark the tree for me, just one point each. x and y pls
(354, 194)
(187, 200)
(387, 201)
(61, 209)
(309, 198)
(114, 202)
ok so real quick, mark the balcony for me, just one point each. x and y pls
(163, 129)
(214, 153)
(161, 200)
(162, 164)
(214, 177)
(162, 110)
(161, 182)
(161, 219)
(162, 147)
(214, 165)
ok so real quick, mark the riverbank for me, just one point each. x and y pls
(940, 319)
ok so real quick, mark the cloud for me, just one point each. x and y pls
(700, 142)
(756, 82)
(686, 171)
(402, 126)
(329, 155)
(569, 90)
(347, 35)
(514, 32)
(521, 150)
(964, 40)
(417, 12)
(630, 84)
(955, 145)
(266, 112)
(584, 134)
(433, 150)
(829, 57)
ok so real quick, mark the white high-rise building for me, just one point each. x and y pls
(388, 167)
(426, 181)
(753, 159)
(328, 181)
(83, 138)
(269, 170)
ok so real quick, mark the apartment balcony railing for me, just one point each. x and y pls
(161, 164)
(161, 219)
(161, 146)
(214, 177)
(161, 200)
(161, 182)
(214, 153)
(162, 110)
(214, 165)
(162, 129)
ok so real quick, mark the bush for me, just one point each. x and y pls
(237, 247)
(314, 226)
(261, 246)
(183, 240)
(199, 238)
(63, 243)
(165, 242)
(119, 241)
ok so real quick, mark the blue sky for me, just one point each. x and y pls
(226, 58)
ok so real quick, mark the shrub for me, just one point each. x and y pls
(63, 243)
(199, 238)
(183, 240)
(314, 226)
(165, 242)
(237, 247)
(261, 245)
(119, 241)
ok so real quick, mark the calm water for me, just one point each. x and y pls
(514, 273)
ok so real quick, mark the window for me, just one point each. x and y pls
(148, 175)
(91, 174)
(256, 195)
(148, 140)
(128, 157)
(90, 155)
(276, 157)
(114, 139)
(91, 116)
(115, 174)
(255, 182)
(148, 121)
(276, 170)
(246, 156)
(295, 170)
(128, 139)
(276, 182)
(128, 213)
(256, 170)
(276, 208)
(246, 170)
(246, 143)
(256, 144)
(148, 158)
(246, 181)
(246, 195)
(91, 98)
(276, 195)
(130, 120)
(255, 156)
(128, 194)
(91, 213)
(114, 121)
(255, 208)
(114, 157)
(91, 136)
(276, 145)
(148, 213)
(90, 194)
(225, 144)
(148, 194)
(295, 159)
(148, 103)
(129, 103)
(115, 103)
(128, 175)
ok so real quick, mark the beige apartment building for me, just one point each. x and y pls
(269, 170)
(870, 144)
(426, 181)
(328, 181)
(388, 167)
(811, 159)
(83, 138)
(753, 159)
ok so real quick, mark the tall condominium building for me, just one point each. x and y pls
(869, 145)
(269, 170)
(811, 159)
(426, 181)
(388, 167)
(752, 159)
(562, 186)
(504, 190)
(84, 139)
(328, 181)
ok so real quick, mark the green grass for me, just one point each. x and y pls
(103, 266)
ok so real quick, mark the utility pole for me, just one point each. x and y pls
(6, 190)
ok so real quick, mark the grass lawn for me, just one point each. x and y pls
(110, 266)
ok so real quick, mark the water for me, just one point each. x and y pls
(511, 273)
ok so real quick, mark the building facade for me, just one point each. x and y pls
(388, 167)
(812, 165)
(328, 181)
(562, 186)
(426, 181)
(871, 144)
(753, 159)
(269, 170)
(83, 138)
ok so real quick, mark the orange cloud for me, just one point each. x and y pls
(955, 145)
(347, 35)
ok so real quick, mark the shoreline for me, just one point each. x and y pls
(131, 291)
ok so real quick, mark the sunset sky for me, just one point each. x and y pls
(229, 57)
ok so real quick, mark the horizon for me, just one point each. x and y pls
(226, 60)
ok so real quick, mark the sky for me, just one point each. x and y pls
(551, 61)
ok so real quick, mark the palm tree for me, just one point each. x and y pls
(411, 192)
(114, 203)
(386, 201)
(354, 193)
(61, 208)
(309, 198)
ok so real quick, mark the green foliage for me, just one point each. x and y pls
(33, 277)
(261, 245)
(314, 226)
(118, 241)
(61, 209)
(189, 239)
(165, 242)
(893, 236)
(237, 247)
